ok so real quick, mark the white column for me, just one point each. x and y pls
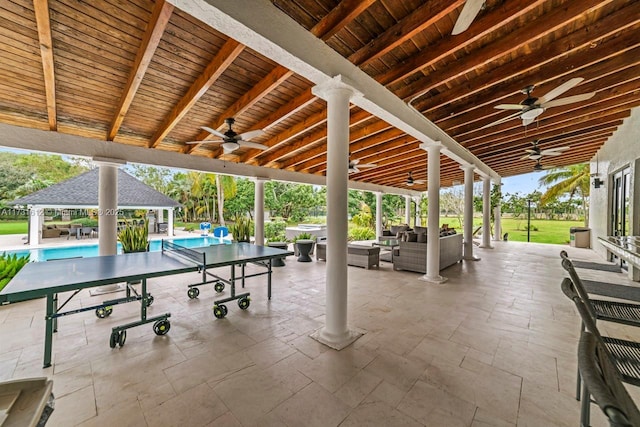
(433, 221)
(497, 224)
(407, 210)
(160, 213)
(335, 332)
(107, 208)
(107, 214)
(378, 215)
(486, 213)
(468, 212)
(258, 210)
(36, 220)
(170, 213)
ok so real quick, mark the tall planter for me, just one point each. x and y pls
(241, 229)
(134, 238)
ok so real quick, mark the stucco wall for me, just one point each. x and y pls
(621, 151)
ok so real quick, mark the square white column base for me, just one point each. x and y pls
(437, 279)
(337, 343)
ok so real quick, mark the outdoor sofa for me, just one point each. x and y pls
(412, 255)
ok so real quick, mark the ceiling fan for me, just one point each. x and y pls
(410, 181)
(355, 165)
(540, 167)
(467, 15)
(531, 107)
(536, 153)
(230, 140)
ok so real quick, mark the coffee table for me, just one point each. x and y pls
(388, 244)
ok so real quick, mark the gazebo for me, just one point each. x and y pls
(81, 192)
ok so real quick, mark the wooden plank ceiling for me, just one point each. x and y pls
(144, 73)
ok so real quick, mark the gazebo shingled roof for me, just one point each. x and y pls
(82, 191)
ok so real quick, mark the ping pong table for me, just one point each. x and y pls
(48, 279)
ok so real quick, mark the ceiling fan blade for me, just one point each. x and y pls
(502, 120)
(510, 107)
(213, 131)
(419, 181)
(569, 100)
(554, 93)
(368, 165)
(469, 12)
(205, 141)
(354, 170)
(250, 144)
(527, 122)
(531, 151)
(251, 134)
(558, 150)
(527, 156)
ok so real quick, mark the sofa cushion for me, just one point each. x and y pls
(421, 238)
(412, 237)
(397, 228)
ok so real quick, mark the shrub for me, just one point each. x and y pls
(86, 222)
(241, 229)
(9, 267)
(361, 233)
(274, 231)
(304, 236)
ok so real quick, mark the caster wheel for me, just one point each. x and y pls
(193, 293)
(161, 327)
(219, 311)
(149, 300)
(122, 338)
(113, 339)
(219, 287)
(243, 303)
(101, 312)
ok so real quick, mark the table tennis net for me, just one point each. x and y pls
(174, 249)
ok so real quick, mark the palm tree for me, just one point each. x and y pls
(572, 180)
(227, 188)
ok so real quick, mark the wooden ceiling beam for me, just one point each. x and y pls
(485, 25)
(422, 18)
(154, 30)
(282, 148)
(380, 132)
(528, 33)
(218, 65)
(372, 154)
(566, 56)
(41, 9)
(339, 17)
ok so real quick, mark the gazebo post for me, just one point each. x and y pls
(36, 215)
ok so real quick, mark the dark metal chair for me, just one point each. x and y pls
(603, 382)
(625, 355)
(611, 311)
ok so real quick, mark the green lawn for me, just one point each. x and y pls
(13, 227)
(542, 231)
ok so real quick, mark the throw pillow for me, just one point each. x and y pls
(422, 238)
(412, 237)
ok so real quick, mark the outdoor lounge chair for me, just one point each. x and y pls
(625, 355)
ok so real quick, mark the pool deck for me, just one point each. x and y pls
(13, 242)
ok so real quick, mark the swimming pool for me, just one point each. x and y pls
(44, 254)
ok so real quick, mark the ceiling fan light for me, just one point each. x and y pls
(532, 113)
(228, 147)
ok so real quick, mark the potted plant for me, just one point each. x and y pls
(134, 238)
(303, 236)
(241, 229)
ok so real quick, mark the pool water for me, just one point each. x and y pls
(83, 251)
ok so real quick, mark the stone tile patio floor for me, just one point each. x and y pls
(493, 346)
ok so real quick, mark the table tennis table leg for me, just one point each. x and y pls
(48, 331)
(269, 280)
(242, 266)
